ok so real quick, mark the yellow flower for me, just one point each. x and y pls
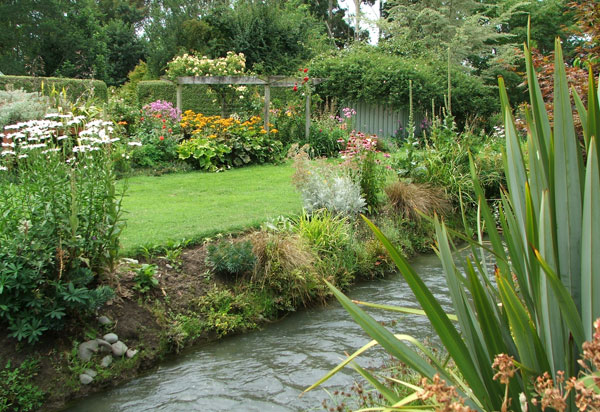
(274, 131)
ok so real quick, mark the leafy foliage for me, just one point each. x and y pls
(324, 186)
(231, 259)
(227, 142)
(60, 221)
(17, 393)
(542, 307)
(145, 279)
(368, 74)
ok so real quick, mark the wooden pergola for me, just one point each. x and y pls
(267, 82)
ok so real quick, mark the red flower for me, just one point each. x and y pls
(141, 119)
(161, 138)
(170, 130)
(305, 70)
(305, 79)
(164, 127)
(295, 88)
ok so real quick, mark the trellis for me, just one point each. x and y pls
(267, 82)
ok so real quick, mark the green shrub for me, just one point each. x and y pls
(17, 393)
(231, 259)
(327, 186)
(18, 105)
(225, 312)
(60, 220)
(159, 132)
(76, 89)
(145, 279)
(369, 75)
(209, 154)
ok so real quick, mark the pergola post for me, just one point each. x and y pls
(267, 105)
(179, 88)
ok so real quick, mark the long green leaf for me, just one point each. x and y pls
(385, 338)
(400, 309)
(550, 319)
(541, 124)
(565, 302)
(368, 346)
(485, 314)
(438, 318)
(516, 175)
(525, 336)
(583, 115)
(593, 114)
(568, 175)
(590, 243)
(387, 393)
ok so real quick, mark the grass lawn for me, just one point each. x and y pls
(197, 204)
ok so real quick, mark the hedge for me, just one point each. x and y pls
(75, 87)
(194, 97)
(369, 75)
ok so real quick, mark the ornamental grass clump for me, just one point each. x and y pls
(410, 199)
(541, 308)
(60, 221)
(285, 267)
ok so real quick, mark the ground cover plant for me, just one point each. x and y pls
(520, 337)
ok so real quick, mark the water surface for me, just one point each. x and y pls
(266, 370)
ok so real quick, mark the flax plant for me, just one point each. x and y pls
(538, 303)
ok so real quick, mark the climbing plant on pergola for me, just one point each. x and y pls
(267, 82)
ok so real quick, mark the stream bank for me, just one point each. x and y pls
(189, 306)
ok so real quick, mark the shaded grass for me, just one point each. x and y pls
(195, 205)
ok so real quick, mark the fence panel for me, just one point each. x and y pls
(382, 120)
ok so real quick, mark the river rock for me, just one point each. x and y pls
(106, 361)
(111, 338)
(119, 349)
(104, 320)
(85, 379)
(90, 372)
(87, 349)
(131, 353)
(104, 346)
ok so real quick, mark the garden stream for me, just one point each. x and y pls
(267, 370)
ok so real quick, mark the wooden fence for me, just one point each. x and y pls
(382, 120)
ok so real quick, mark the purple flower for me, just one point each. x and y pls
(164, 108)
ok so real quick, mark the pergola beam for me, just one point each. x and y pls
(267, 82)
